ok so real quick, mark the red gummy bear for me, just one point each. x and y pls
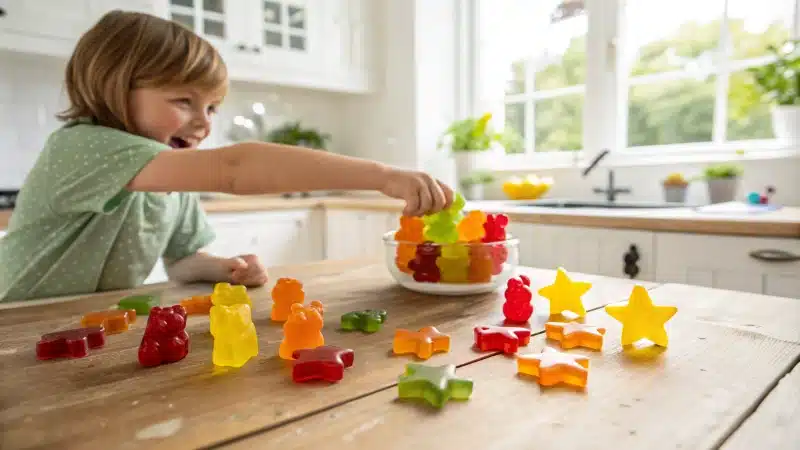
(518, 307)
(424, 264)
(495, 227)
(165, 339)
(506, 339)
(321, 363)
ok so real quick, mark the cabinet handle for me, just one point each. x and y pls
(630, 259)
(772, 255)
(241, 47)
(2, 12)
(256, 49)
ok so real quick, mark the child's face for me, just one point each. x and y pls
(178, 117)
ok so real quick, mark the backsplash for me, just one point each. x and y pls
(31, 94)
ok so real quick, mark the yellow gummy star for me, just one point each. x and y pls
(565, 294)
(641, 319)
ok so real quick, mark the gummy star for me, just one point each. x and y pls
(565, 294)
(368, 320)
(641, 319)
(142, 304)
(552, 367)
(436, 385)
(326, 362)
(74, 343)
(423, 343)
(197, 304)
(113, 321)
(572, 334)
(506, 339)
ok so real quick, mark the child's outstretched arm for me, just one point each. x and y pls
(249, 168)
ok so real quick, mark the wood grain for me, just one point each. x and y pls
(726, 350)
(106, 399)
(776, 423)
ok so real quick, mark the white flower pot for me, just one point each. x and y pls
(473, 192)
(675, 194)
(786, 123)
(468, 162)
(721, 190)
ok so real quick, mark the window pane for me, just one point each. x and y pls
(187, 3)
(214, 6)
(272, 12)
(515, 121)
(754, 25)
(297, 42)
(748, 116)
(562, 62)
(516, 82)
(672, 35)
(671, 112)
(183, 19)
(559, 123)
(213, 28)
(273, 39)
(297, 17)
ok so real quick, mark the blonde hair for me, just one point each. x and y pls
(124, 51)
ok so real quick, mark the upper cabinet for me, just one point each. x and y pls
(317, 44)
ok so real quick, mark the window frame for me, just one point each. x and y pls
(605, 91)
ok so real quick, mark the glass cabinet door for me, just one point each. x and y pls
(204, 17)
(285, 25)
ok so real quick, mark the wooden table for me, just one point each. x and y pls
(729, 379)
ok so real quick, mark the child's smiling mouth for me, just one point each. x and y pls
(178, 142)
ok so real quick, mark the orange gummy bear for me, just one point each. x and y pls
(287, 292)
(481, 265)
(303, 329)
(113, 321)
(422, 343)
(573, 334)
(408, 235)
(552, 367)
(471, 226)
(197, 304)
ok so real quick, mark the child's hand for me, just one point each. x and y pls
(423, 194)
(247, 270)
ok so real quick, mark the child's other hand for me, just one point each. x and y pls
(423, 194)
(247, 270)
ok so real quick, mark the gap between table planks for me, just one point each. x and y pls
(727, 350)
(106, 399)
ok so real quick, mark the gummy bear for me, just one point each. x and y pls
(553, 367)
(197, 304)
(368, 320)
(165, 339)
(424, 263)
(423, 343)
(303, 329)
(441, 227)
(518, 307)
(235, 339)
(495, 228)
(325, 362)
(481, 268)
(506, 339)
(139, 303)
(496, 253)
(458, 250)
(453, 270)
(471, 226)
(112, 321)
(407, 236)
(287, 291)
(436, 385)
(227, 295)
(74, 343)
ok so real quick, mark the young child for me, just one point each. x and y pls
(114, 189)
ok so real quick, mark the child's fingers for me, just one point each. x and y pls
(448, 193)
(437, 196)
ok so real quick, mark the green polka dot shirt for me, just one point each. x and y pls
(76, 229)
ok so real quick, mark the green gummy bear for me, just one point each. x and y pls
(441, 227)
(140, 303)
(436, 385)
(368, 320)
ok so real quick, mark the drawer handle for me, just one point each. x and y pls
(774, 255)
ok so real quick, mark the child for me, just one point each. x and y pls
(114, 189)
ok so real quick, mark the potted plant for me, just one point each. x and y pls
(779, 84)
(675, 188)
(471, 139)
(723, 182)
(473, 184)
(292, 133)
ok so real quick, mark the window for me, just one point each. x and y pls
(627, 74)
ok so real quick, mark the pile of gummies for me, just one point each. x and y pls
(452, 247)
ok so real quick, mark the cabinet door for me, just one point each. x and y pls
(224, 23)
(725, 262)
(354, 234)
(345, 55)
(46, 18)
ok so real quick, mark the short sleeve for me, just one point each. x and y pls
(192, 230)
(89, 167)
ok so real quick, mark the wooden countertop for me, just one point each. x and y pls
(724, 378)
(783, 223)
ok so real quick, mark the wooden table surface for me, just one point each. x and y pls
(729, 379)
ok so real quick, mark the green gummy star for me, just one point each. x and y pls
(368, 320)
(436, 385)
(140, 303)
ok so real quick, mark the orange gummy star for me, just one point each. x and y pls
(197, 304)
(423, 343)
(113, 321)
(287, 291)
(552, 367)
(573, 334)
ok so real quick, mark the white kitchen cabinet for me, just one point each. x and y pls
(43, 26)
(346, 57)
(354, 234)
(725, 262)
(589, 250)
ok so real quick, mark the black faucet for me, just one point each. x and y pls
(611, 191)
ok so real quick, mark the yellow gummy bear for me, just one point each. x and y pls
(641, 319)
(235, 339)
(453, 270)
(565, 294)
(225, 294)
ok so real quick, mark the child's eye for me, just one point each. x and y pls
(183, 101)
(212, 109)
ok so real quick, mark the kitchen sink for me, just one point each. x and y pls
(568, 204)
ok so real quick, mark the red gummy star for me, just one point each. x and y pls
(321, 363)
(507, 339)
(74, 343)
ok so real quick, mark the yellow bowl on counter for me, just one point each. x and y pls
(530, 187)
